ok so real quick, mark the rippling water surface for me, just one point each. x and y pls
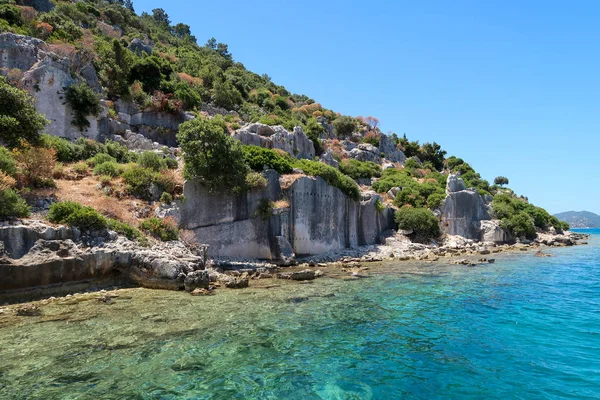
(524, 327)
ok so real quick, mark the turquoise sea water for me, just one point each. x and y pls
(524, 327)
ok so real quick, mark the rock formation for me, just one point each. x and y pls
(277, 137)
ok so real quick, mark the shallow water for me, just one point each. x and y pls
(524, 327)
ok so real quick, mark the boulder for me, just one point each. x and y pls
(276, 137)
(366, 152)
(387, 146)
(304, 275)
(462, 210)
(139, 46)
(492, 232)
(196, 279)
(39, 5)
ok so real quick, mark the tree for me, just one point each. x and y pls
(19, 120)
(211, 43)
(226, 95)
(161, 17)
(501, 180)
(433, 153)
(372, 122)
(148, 72)
(344, 126)
(182, 31)
(129, 5)
(421, 221)
(84, 102)
(212, 156)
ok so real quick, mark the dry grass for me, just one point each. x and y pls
(281, 204)
(288, 180)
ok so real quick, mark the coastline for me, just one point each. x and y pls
(348, 264)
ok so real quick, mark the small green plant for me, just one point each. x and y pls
(138, 180)
(379, 206)
(12, 205)
(166, 198)
(163, 229)
(151, 160)
(264, 209)
(8, 164)
(101, 158)
(81, 168)
(128, 231)
(109, 168)
(84, 102)
(360, 169)
(59, 170)
(74, 214)
(171, 163)
(105, 180)
(255, 180)
(258, 157)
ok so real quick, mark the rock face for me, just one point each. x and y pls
(386, 146)
(366, 152)
(462, 210)
(492, 232)
(320, 218)
(327, 158)
(39, 5)
(139, 46)
(276, 137)
(44, 76)
(59, 261)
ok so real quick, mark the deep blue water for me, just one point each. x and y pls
(524, 327)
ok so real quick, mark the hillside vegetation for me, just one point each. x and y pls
(159, 65)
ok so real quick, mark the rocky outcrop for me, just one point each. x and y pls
(462, 210)
(366, 152)
(492, 232)
(320, 218)
(59, 261)
(390, 151)
(45, 74)
(327, 158)
(39, 5)
(140, 46)
(277, 137)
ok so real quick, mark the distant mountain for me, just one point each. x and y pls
(580, 219)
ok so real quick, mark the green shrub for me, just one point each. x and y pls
(101, 158)
(344, 126)
(163, 229)
(313, 130)
(138, 180)
(74, 214)
(109, 168)
(166, 198)
(264, 209)
(19, 120)
(360, 169)
(421, 221)
(81, 168)
(127, 230)
(120, 152)
(171, 163)
(393, 178)
(255, 180)
(151, 160)
(12, 14)
(332, 176)
(8, 164)
(520, 225)
(12, 205)
(257, 157)
(84, 102)
(379, 206)
(212, 156)
(435, 200)
(167, 182)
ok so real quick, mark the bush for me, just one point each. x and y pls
(257, 157)
(12, 205)
(313, 130)
(81, 168)
(393, 178)
(344, 126)
(138, 180)
(35, 166)
(59, 171)
(372, 138)
(520, 225)
(84, 102)
(127, 230)
(19, 120)
(151, 160)
(264, 209)
(66, 151)
(101, 158)
(167, 182)
(435, 200)
(212, 156)
(501, 180)
(166, 198)
(74, 214)
(120, 153)
(8, 164)
(163, 229)
(12, 14)
(171, 163)
(421, 221)
(358, 169)
(332, 176)
(255, 180)
(109, 168)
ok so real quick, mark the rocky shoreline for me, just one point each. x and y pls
(38, 260)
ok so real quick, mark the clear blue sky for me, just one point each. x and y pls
(512, 87)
